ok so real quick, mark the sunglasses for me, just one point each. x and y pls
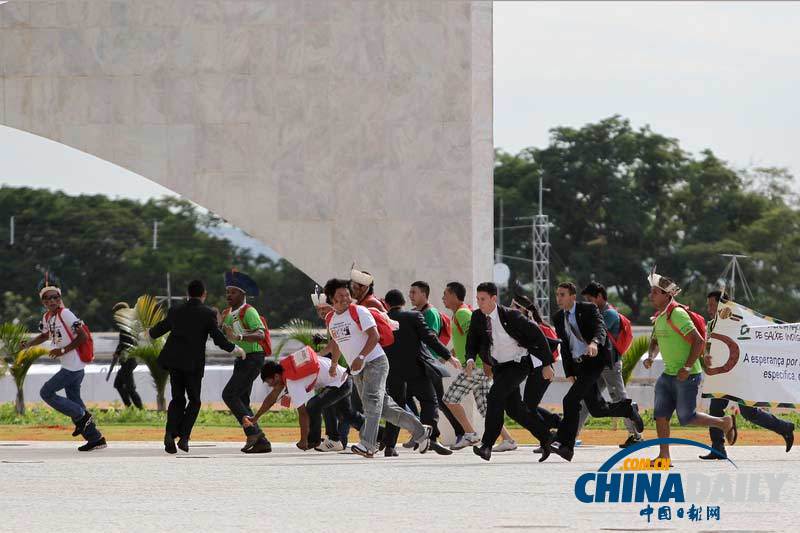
(54, 297)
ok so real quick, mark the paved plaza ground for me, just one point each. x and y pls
(135, 486)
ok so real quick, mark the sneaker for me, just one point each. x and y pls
(410, 443)
(505, 446)
(329, 445)
(578, 442)
(81, 423)
(632, 439)
(459, 444)
(99, 444)
(363, 452)
(468, 439)
(425, 441)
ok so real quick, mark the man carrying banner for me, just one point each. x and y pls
(755, 415)
(681, 344)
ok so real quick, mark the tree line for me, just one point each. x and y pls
(623, 199)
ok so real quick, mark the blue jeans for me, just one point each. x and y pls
(72, 405)
(674, 395)
(753, 414)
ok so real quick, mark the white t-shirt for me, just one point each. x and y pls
(60, 337)
(296, 389)
(350, 338)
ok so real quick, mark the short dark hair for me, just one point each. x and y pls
(488, 287)
(717, 295)
(424, 287)
(270, 369)
(595, 289)
(333, 285)
(458, 289)
(195, 289)
(395, 298)
(569, 286)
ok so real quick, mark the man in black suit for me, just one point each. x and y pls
(184, 355)
(505, 340)
(585, 352)
(409, 368)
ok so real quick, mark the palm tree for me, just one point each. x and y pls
(631, 358)
(137, 321)
(301, 331)
(17, 362)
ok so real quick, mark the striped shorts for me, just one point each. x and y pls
(479, 385)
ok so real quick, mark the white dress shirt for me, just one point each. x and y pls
(577, 345)
(504, 348)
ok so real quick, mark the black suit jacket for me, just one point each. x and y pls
(189, 325)
(592, 328)
(407, 354)
(524, 331)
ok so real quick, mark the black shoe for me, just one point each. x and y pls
(711, 456)
(538, 449)
(482, 451)
(545, 446)
(381, 444)
(81, 424)
(390, 452)
(632, 439)
(564, 452)
(183, 444)
(99, 444)
(169, 444)
(439, 449)
(262, 445)
(251, 440)
(636, 418)
(789, 438)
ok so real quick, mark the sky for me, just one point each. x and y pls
(719, 75)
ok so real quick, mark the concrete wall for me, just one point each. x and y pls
(331, 130)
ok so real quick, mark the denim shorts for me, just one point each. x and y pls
(674, 395)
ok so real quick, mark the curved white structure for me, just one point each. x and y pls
(333, 130)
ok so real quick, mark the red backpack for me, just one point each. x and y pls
(446, 328)
(266, 342)
(386, 326)
(550, 333)
(697, 319)
(301, 364)
(85, 349)
(624, 340)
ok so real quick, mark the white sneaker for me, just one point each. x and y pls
(425, 441)
(468, 439)
(329, 445)
(505, 446)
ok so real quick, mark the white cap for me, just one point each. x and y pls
(663, 283)
(361, 278)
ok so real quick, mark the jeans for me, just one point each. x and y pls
(236, 393)
(330, 401)
(72, 405)
(673, 395)
(610, 380)
(753, 414)
(371, 385)
(181, 415)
